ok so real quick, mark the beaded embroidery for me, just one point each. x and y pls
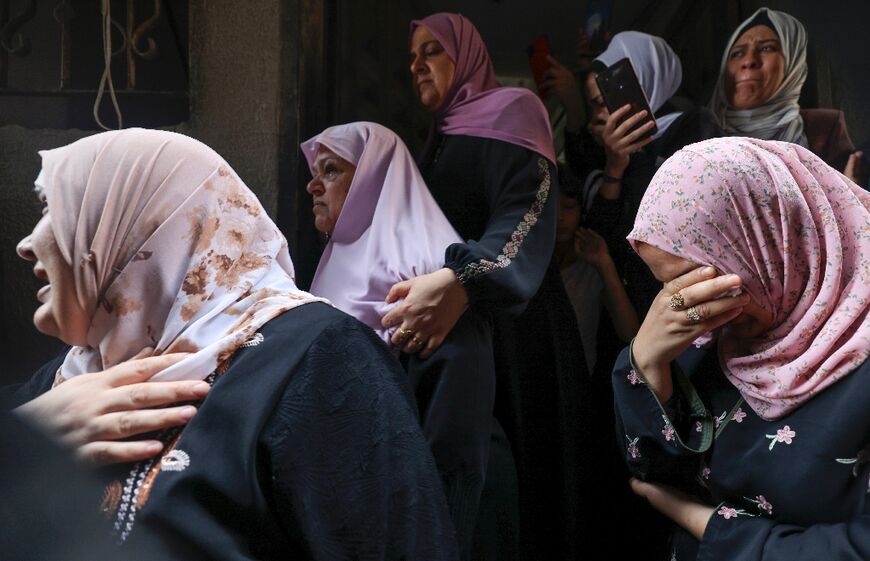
(512, 247)
(137, 487)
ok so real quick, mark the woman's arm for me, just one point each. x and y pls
(591, 248)
(728, 533)
(352, 474)
(501, 270)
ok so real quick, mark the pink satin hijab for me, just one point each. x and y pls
(797, 232)
(390, 228)
(168, 247)
(476, 105)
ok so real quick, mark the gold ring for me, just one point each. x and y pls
(693, 315)
(677, 301)
(404, 334)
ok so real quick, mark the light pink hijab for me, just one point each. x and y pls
(389, 230)
(169, 249)
(476, 105)
(798, 234)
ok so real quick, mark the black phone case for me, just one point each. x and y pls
(619, 86)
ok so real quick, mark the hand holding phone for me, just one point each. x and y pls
(539, 54)
(619, 87)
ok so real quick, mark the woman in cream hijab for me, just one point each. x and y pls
(763, 71)
(306, 446)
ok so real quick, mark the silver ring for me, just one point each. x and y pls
(693, 315)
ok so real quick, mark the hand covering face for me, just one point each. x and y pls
(797, 232)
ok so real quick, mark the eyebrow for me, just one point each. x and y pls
(423, 46)
(320, 161)
(763, 41)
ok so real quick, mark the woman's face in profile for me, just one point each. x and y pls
(431, 69)
(328, 188)
(755, 68)
(598, 112)
(60, 314)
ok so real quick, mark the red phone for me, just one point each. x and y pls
(538, 52)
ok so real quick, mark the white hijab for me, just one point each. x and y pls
(657, 67)
(169, 249)
(779, 118)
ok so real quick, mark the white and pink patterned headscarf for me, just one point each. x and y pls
(797, 232)
(169, 249)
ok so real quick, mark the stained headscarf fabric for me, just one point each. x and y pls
(476, 105)
(797, 232)
(657, 66)
(390, 229)
(169, 250)
(779, 117)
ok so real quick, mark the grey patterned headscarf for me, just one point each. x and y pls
(779, 117)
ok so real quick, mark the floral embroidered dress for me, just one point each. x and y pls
(774, 427)
(491, 168)
(792, 489)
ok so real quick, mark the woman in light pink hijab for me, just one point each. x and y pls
(389, 229)
(765, 251)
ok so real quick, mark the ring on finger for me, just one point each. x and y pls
(693, 315)
(405, 334)
(677, 302)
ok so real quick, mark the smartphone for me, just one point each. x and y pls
(538, 52)
(619, 86)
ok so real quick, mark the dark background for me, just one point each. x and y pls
(255, 78)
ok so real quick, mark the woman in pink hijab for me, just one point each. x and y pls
(755, 442)
(297, 440)
(387, 229)
(490, 166)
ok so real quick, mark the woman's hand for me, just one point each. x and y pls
(432, 305)
(561, 82)
(620, 142)
(590, 247)
(668, 329)
(683, 509)
(95, 412)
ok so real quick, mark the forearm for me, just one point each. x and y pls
(616, 301)
(657, 376)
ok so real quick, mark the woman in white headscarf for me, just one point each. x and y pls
(763, 70)
(306, 445)
(618, 163)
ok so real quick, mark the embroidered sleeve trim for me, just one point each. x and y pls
(512, 247)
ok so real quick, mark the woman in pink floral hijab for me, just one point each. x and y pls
(764, 250)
